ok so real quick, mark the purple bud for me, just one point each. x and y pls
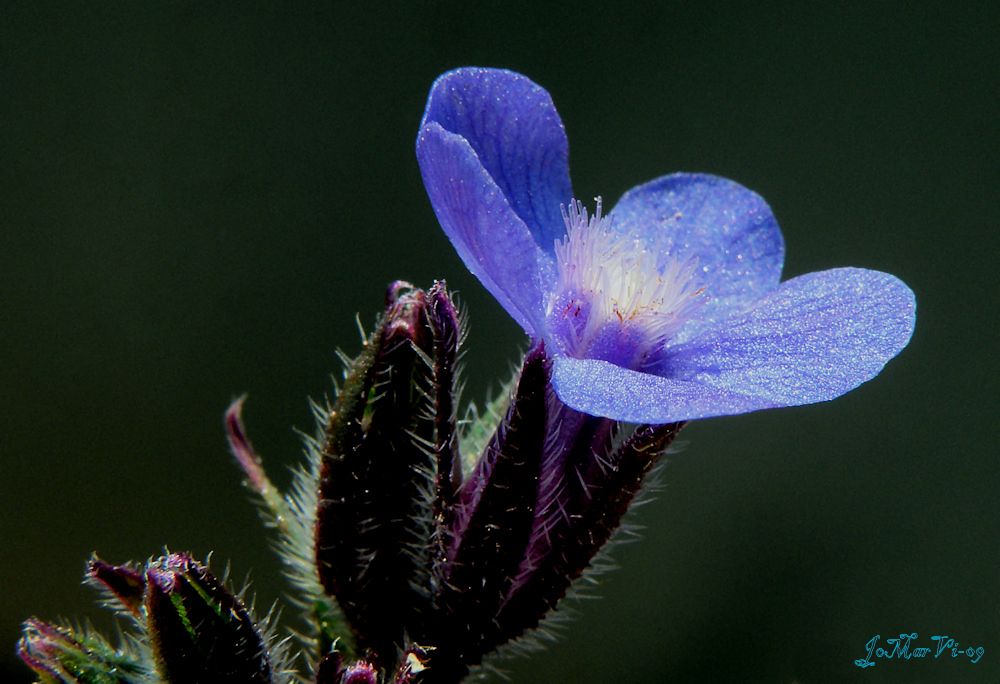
(43, 646)
(57, 654)
(377, 460)
(200, 632)
(360, 673)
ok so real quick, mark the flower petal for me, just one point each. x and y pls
(813, 339)
(604, 389)
(514, 129)
(729, 229)
(492, 240)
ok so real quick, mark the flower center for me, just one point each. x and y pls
(614, 301)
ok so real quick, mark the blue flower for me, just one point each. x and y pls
(669, 308)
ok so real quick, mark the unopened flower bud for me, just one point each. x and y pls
(60, 656)
(200, 632)
(379, 459)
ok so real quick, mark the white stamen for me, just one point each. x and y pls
(620, 280)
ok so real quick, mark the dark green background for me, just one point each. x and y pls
(195, 199)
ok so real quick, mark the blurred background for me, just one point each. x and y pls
(197, 198)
